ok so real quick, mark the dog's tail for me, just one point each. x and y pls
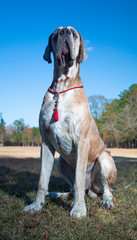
(127, 186)
(55, 195)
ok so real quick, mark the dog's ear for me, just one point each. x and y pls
(82, 51)
(48, 51)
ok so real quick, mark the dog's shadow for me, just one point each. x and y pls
(18, 177)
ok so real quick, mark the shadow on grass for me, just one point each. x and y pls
(18, 177)
(125, 161)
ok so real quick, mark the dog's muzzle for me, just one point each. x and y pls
(65, 56)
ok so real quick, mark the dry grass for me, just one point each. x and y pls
(34, 152)
(122, 152)
(19, 174)
(20, 152)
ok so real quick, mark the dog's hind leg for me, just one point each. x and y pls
(103, 176)
(108, 177)
(47, 160)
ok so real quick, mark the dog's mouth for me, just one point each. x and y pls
(64, 57)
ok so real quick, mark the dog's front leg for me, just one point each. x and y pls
(79, 207)
(47, 160)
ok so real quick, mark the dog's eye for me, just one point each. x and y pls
(74, 33)
(55, 34)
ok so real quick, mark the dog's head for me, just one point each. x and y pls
(67, 46)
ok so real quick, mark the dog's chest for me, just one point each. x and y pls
(62, 134)
(62, 138)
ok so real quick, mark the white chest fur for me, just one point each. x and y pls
(63, 134)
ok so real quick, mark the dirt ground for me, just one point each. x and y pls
(34, 152)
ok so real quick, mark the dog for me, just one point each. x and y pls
(67, 126)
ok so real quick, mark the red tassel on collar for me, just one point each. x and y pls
(56, 115)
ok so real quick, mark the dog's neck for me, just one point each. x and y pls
(65, 78)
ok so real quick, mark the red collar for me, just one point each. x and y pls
(64, 90)
(56, 115)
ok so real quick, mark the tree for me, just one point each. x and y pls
(9, 133)
(27, 134)
(97, 105)
(2, 122)
(129, 129)
(2, 129)
(126, 95)
(19, 126)
(36, 136)
(119, 120)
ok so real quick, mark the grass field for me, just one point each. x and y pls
(19, 175)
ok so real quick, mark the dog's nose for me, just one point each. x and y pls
(65, 31)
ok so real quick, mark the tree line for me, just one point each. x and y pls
(116, 120)
(18, 134)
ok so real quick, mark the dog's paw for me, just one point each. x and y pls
(106, 203)
(78, 211)
(33, 207)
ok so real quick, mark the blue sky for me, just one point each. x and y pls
(108, 28)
